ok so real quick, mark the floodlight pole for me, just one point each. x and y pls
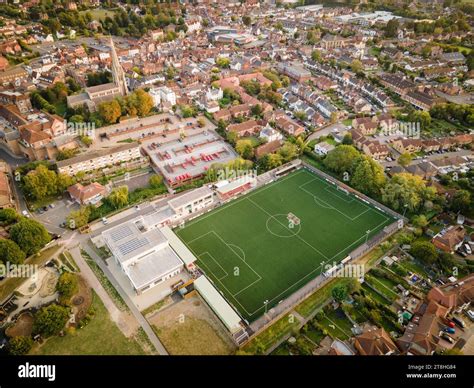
(367, 236)
(265, 302)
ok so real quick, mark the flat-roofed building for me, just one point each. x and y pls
(100, 159)
(143, 253)
(192, 201)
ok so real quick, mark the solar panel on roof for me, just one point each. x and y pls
(132, 245)
(120, 233)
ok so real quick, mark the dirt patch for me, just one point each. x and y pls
(82, 300)
(22, 327)
(48, 287)
(189, 327)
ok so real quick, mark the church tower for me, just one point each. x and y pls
(117, 71)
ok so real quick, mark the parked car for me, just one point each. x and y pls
(468, 249)
(105, 221)
(459, 322)
(447, 337)
(25, 213)
(470, 314)
(449, 330)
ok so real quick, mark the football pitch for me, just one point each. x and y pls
(254, 254)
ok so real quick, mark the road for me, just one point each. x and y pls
(431, 157)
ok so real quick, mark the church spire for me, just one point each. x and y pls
(117, 71)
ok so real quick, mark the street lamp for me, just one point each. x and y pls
(404, 211)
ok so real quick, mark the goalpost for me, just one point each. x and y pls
(345, 191)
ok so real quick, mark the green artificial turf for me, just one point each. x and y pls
(251, 252)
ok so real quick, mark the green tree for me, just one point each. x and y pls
(288, 151)
(341, 159)
(110, 111)
(118, 198)
(29, 235)
(356, 66)
(155, 181)
(405, 159)
(391, 29)
(244, 149)
(67, 286)
(50, 320)
(78, 218)
(407, 190)
(316, 56)
(10, 252)
(247, 20)
(223, 62)
(461, 201)
(339, 293)
(19, 346)
(40, 182)
(424, 251)
(347, 139)
(8, 216)
(368, 176)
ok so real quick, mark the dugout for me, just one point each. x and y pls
(218, 304)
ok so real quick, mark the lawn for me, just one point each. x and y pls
(271, 335)
(253, 253)
(100, 337)
(192, 337)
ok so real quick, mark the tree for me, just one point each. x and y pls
(10, 252)
(63, 181)
(201, 122)
(301, 115)
(424, 251)
(8, 216)
(339, 293)
(407, 190)
(256, 110)
(30, 235)
(356, 66)
(118, 198)
(223, 62)
(316, 56)
(67, 286)
(247, 20)
(110, 111)
(86, 140)
(244, 149)
(155, 181)
(19, 346)
(461, 201)
(391, 29)
(341, 159)
(50, 320)
(368, 176)
(78, 218)
(347, 139)
(288, 151)
(139, 103)
(420, 221)
(188, 111)
(271, 161)
(405, 159)
(40, 182)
